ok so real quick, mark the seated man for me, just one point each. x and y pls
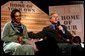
(53, 34)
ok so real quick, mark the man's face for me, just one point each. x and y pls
(17, 17)
(54, 18)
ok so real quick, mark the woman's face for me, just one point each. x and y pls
(17, 17)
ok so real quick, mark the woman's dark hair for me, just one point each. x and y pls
(13, 12)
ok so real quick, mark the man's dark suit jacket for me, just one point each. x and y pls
(51, 37)
(58, 35)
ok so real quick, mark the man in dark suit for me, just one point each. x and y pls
(56, 30)
(53, 34)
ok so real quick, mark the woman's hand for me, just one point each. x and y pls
(20, 39)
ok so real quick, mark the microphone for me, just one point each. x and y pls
(58, 23)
